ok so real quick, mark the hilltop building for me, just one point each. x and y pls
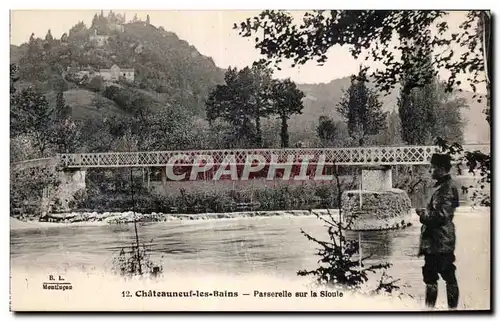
(112, 74)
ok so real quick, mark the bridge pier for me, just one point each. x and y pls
(376, 205)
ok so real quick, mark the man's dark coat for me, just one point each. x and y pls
(438, 231)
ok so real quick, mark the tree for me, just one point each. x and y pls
(78, 36)
(429, 113)
(62, 110)
(235, 102)
(66, 135)
(111, 17)
(287, 100)
(418, 105)
(373, 32)
(94, 21)
(31, 115)
(450, 123)
(262, 96)
(417, 113)
(326, 130)
(96, 83)
(391, 136)
(65, 132)
(362, 109)
(32, 39)
(78, 28)
(14, 69)
(171, 128)
(48, 36)
(64, 38)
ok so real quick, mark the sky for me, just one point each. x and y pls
(210, 31)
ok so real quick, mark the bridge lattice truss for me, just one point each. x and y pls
(407, 155)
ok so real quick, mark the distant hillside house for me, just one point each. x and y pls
(114, 73)
(98, 40)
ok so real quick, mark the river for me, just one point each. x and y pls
(271, 246)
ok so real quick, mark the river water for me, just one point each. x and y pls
(271, 246)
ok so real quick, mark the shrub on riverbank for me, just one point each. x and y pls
(282, 197)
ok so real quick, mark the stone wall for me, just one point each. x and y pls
(376, 210)
(376, 206)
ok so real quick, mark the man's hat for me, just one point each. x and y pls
(441, 160)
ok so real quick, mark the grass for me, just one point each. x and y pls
(81, 102)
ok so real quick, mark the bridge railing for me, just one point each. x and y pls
(411, 155)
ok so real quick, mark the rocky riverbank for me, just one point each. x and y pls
(130, 217)
(96, 218)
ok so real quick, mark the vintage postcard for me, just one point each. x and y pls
(270, 160)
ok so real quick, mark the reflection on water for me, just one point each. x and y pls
(271, 245)
(235, 246)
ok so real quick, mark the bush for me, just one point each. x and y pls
(277, 198)
(382, 210)
(96, 84)
(341, 264)
(135, 260)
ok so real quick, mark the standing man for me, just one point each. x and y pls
(437, 236)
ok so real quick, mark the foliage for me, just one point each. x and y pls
(342, 268)
(417, 112)
(96, 84)
(450, 123)
(429, 111)
(477, 163)
(326, 130)
(386, 210)
(415, 180)
(192, 202)
(362, 110)
(136, 260)
(373, 32)
(417, 106)
(262, 95)
(234, 102)
(28, 188)
(48, 128)
(170, 128)
(129, 100)
(388, 284)
(391, 136)
(287, 101)
(66, 136)
(247, 96)
(31, 115)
